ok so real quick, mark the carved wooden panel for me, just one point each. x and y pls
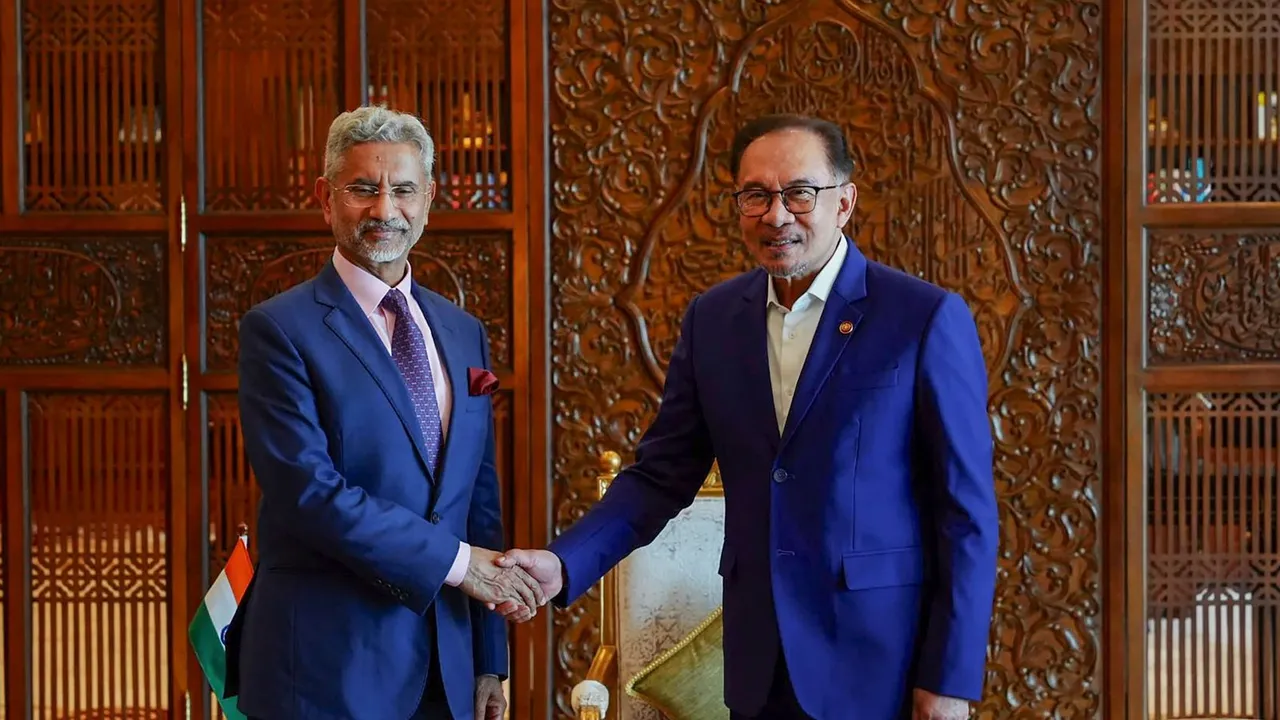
(99, 491)
(472, 270)
(1213, 296)
(1213, 118)
(233, 491)
(272, 67)
(977, 146)
(1213, 541)
(92, 124)
(446, 61)
(88, 300)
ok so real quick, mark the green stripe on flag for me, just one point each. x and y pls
(207, 643)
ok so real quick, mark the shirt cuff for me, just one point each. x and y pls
(460, 562)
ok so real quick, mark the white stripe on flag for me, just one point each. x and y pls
(221, 604)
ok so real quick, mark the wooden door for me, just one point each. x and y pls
(976, 131)
(95, 527)
(1202, 358)
(158, 169)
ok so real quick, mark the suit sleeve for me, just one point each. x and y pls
(955, 447)
(672, 461)
(484, 529)
(384, 543)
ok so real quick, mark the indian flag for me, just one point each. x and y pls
(209, 626)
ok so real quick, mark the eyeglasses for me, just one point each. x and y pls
(797, 199)
(364, 196)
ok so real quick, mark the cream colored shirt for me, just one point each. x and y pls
(791, 332)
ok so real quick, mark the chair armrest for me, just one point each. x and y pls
(590, 698)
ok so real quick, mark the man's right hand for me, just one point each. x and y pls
(543, 566)
(495, 584)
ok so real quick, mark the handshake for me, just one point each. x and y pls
(514, 584)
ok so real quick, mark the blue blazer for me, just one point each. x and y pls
(355, 535)
(861, 541)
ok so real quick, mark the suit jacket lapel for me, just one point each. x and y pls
(349, 323)
(840, 313)
(751, 324)
(454, 359)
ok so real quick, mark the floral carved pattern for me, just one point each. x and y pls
(976, 136)
(96, 301)
(473, 271)
(1213, 297)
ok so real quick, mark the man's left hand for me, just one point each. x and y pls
(928, 706)
(490, 702)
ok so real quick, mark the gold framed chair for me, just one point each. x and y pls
(660, 654)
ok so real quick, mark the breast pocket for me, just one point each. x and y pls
(479, 403)
(857, 378)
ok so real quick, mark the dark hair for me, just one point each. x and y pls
(829, 133)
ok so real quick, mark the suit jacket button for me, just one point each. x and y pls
(435, 518)
(779, 475)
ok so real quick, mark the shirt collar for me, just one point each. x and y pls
(367, 288)
(821, 286)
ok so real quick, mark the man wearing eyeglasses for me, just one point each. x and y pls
(846, 404)
(366, 418)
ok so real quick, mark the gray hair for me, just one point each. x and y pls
(375, 123)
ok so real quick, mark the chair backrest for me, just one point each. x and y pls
(661, 592)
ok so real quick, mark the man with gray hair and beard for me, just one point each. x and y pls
(364, 402)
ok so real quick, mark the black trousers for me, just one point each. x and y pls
(782, 703)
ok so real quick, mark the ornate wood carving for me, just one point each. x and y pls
(271, 66)
(472, 270)
(1213, 296)
(977, 143)
(99, 490)
(92, 125)
(446, 61)
(97, 301)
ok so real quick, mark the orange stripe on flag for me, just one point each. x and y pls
(239, 570)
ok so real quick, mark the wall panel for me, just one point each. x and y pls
(92, 117)
(448, 63)
(95, 301)
(976, 136)
(271, 82)
(98, 483)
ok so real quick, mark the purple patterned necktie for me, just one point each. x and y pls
(409, 350)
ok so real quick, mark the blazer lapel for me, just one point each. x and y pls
(453, 358)
(349, 323)
(838, 324)
(751, 324)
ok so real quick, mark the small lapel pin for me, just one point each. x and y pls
(846, 327)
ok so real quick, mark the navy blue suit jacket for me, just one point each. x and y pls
(355, 535)
(861, 541)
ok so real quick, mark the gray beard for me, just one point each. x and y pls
(379, 253)
(795, 271)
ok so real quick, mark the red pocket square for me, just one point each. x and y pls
(481, 381)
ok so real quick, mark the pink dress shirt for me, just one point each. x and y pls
(368, 291)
